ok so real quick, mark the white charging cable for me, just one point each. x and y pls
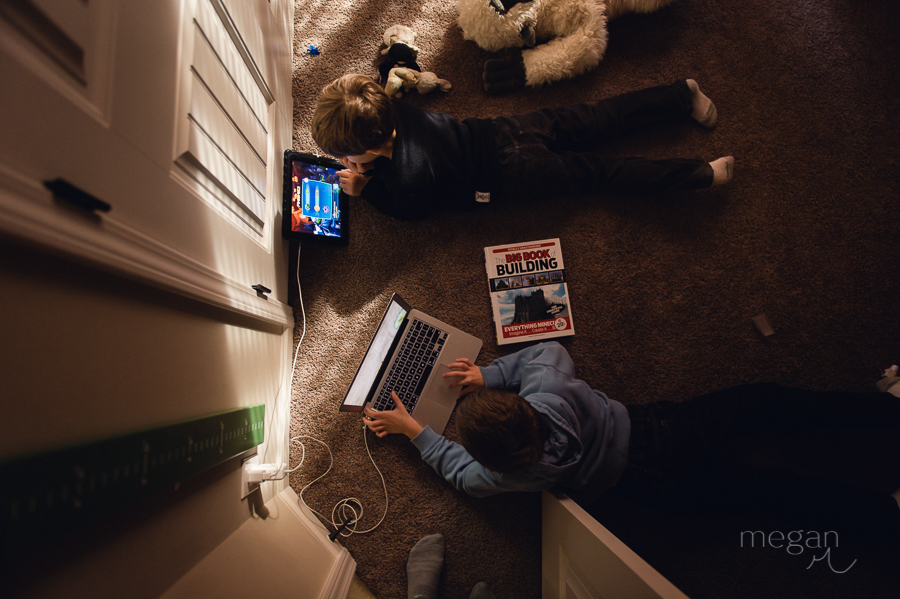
(348, 512)
(293, 365)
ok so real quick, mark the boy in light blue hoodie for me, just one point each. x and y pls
(526, 423)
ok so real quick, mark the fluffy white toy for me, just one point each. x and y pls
(561, 38)
(400, 34)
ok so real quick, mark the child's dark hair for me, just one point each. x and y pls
(353, 115)
(500, 429)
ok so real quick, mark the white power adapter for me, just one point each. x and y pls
(254, 472)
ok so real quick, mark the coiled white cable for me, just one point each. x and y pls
(349, 515)
(346, 505)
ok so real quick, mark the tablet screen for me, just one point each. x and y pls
(315, 201)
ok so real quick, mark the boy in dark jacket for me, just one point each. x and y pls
(407, 161)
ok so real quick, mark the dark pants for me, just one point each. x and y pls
(550, 152)
(676, 461)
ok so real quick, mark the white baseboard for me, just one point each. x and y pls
(341, 575)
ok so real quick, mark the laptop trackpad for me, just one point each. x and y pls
(438, 389)
(437, 402)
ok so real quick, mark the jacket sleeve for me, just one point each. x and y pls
(510, 371)
(408, 207)
(454, 463)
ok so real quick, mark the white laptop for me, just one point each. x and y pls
(409, 354)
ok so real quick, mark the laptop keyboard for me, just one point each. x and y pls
(416, 357)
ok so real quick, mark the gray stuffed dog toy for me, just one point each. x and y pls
(399, 70)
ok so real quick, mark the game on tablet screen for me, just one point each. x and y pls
(315, 200)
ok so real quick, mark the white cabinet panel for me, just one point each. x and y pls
(581, 559)
(118, 137)
(223, 111)
(230, 148)
(66, 43)
(221, 82)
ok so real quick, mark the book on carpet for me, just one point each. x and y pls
(529, 294)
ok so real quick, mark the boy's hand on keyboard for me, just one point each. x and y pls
(467, 375)
(397, 420)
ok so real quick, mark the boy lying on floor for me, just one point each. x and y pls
(525, 423)
(407, 161)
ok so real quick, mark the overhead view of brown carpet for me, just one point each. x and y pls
(663, 288)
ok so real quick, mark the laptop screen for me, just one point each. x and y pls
(371, 365)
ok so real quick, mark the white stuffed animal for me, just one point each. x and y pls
(401, 34)
(399, 51)
(542, 41)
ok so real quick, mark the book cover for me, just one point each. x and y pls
(529, 294)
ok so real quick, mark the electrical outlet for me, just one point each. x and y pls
(254, 472)
(245, 475)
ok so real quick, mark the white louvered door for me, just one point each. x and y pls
(175, 114)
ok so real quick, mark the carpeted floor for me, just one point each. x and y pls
(663, 289)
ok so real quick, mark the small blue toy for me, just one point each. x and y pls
(313, 50)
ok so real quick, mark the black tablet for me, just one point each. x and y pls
(313, 200)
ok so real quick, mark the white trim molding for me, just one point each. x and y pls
(27, 213)
(581, 559)
(337, 584)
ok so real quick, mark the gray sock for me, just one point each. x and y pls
(423, 569)
(482, 591)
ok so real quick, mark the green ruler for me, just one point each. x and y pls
(45, 495)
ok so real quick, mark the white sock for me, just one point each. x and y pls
(723, 170)
(482, 591)
(890, 382)
(704, 110)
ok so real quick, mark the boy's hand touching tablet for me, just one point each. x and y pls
(467, 374)
(351, 181)
(397, 420)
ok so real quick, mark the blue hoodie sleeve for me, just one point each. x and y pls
(508, 372)
(454, 463)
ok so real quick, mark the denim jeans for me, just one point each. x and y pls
(552, 151)
(675, 459)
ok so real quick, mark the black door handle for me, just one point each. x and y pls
(66, 191)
